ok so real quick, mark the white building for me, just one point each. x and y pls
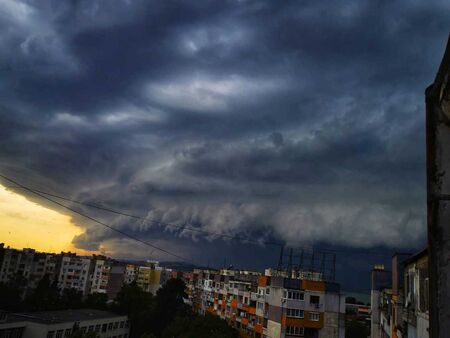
(131, 272)
(43, 264)
(75, 273)
(59, 324)
(100, 275)
(16, 263)
(416, 296)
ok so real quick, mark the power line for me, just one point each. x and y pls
(184, 227)
(96, 220)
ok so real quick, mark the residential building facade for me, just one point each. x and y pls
(75, 272)
(400, 304)
(100, 274)
(59, 324)
(269, 306)
(416, 313)
(151, 276)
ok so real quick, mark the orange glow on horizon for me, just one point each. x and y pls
(25, 224)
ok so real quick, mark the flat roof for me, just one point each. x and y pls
(61, 316)
(416, 256)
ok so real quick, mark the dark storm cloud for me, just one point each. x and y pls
(302, 121)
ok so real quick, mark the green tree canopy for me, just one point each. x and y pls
(196, 326)
(45, 296)
(96, 301)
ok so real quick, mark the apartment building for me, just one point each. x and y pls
(416, 312)
(59, 324)
(100, 274)
(270, 306)
(151, 276)
(75, 272)
(16, 263)
(381, 280)
(399, 306)
(131, 272)
(44, 264)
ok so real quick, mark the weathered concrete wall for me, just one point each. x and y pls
(375, 314)
(438, 198)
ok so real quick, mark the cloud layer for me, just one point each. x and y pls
(302, 122)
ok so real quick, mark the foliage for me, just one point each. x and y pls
(96, 301)
(71, 299)
(196, 326)
(131, 298)
(45, 296)
(164, 315)
(169, 303)
(356, 329)
(138, 306)
(10, 296)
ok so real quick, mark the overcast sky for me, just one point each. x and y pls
(298, 121)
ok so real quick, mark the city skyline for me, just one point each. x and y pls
(301, 124)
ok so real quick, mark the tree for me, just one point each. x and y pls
(96, 301)
(138, 306)
(132, 298)
(10, 296)
(356, 329)
(196, 326)
(169, 304)
(45, 296)
(71, 299)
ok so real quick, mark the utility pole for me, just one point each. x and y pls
(438, 198)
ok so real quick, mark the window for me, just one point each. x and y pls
(295, 313)
(294, 294)
(110, 326)
(59, 333)
(122, 324)
(68, 332)
(97, 328)
(91, 328)
(314, 316)
(295, 330)
(314, 300)
(116, 325)
(50, 334)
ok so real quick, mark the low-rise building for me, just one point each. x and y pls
(58, 324)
